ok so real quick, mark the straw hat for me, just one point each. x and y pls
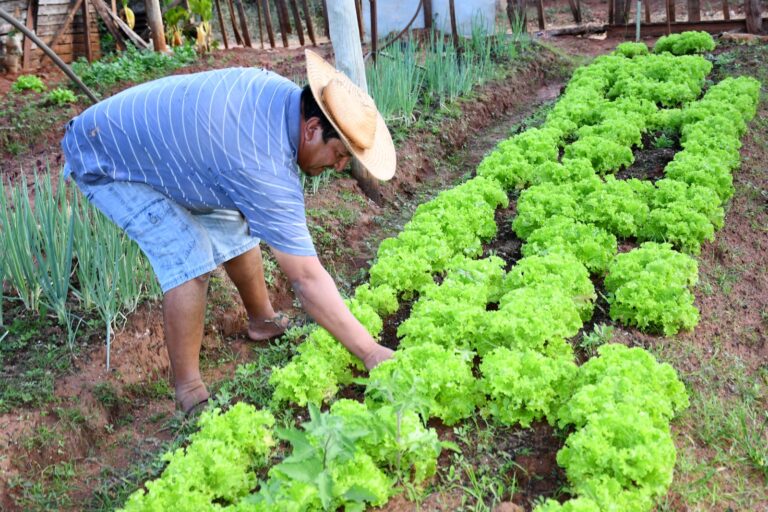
(354, 115)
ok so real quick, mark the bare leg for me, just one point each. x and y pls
(247, 272)
(183, 316)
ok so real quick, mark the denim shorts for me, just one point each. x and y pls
(180, 244)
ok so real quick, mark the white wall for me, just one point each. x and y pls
(394, 15)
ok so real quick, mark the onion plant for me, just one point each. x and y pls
(395, 81)
(52, 234)
(17, 241)
(62, 255)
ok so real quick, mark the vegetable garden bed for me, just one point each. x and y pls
(486, 458)
(489, 336)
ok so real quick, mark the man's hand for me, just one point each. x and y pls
(320, 298)
(376, 356)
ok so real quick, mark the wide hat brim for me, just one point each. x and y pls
(380, 159)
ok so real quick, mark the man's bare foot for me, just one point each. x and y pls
(190, 395)
(261, 329)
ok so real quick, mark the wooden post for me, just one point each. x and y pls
(26, 58)
(310, 25)
(297, 21)
(647, 4)
(575, 11)
(694, 10)
(374, 31)
(427, 4)
(540, 13)
(754, 18)
(325, 19)
(349, 60)
(454, 27)
(726, 10)
(243, 23)
(611, 19)
(517, 15)
(282, 22)
(282, 14)
(672, 16)
(261, 28)
(359, 14)
(233, 19)
(155, 22)
(87, 32)
(268, 22)
(221, 25)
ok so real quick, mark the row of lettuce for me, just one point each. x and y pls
(480, 338)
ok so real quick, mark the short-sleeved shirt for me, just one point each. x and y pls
(223, 139)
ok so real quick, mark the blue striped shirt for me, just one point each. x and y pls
(218, 139)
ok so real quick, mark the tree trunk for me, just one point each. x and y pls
(155, 22)
(754, 16)
(345, 38)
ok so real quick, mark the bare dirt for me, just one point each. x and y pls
(112, 437)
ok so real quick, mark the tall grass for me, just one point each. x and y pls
(62, 256)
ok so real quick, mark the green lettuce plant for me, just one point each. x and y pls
(650, 288)
(524, 386)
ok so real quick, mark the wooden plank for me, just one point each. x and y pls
(647, 7)
(672, 17)
(133, 36)
(308, 19)
(87, 30)
(726, 10)
(109, 24)
(44, 5)
(26, 59)
(70, 16)
(660, 29)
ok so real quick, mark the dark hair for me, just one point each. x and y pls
(310, 108)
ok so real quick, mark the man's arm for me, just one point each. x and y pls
(321, 299)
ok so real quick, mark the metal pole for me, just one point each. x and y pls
(55, 58)
(637, 20)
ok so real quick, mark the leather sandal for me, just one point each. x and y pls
(197, 409)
